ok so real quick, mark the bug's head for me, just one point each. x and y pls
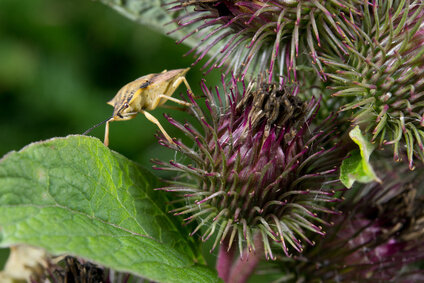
(122, 112)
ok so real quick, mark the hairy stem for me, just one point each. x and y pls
(245, 265)
(224, 261)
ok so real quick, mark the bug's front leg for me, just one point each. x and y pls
(106, 140)
(158, 98)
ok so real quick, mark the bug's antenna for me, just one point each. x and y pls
(95, 126)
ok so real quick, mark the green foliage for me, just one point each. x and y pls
(74, 195)
(357, 166)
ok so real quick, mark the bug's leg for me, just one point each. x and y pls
(184, 80)
(152, 119)
(106, 141)
(157, 101)
(178, 101)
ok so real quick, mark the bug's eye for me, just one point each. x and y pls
(126, 105)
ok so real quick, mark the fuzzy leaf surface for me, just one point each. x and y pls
(73, 195)
(357, 166)
(153, 13)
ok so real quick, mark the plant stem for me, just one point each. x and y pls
(245, 265)
(224, 261)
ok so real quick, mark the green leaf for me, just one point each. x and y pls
(357, 166)
(73, 195)
(153, 13)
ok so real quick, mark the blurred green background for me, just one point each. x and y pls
(62, 60)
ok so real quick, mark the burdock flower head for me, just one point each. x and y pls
(260, 167)
(378, 236)
(72, 269)
(381, 73)
(260, 36)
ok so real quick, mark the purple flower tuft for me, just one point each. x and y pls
(260, 167)
(380, 78)
(261, 36)
(378, 236)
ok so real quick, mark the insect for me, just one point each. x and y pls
(145, 94)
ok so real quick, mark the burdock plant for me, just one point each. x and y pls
(261, 37)
(71, 269)
(371, 51)
(379, 70)
(260, 168)
(378, 236)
